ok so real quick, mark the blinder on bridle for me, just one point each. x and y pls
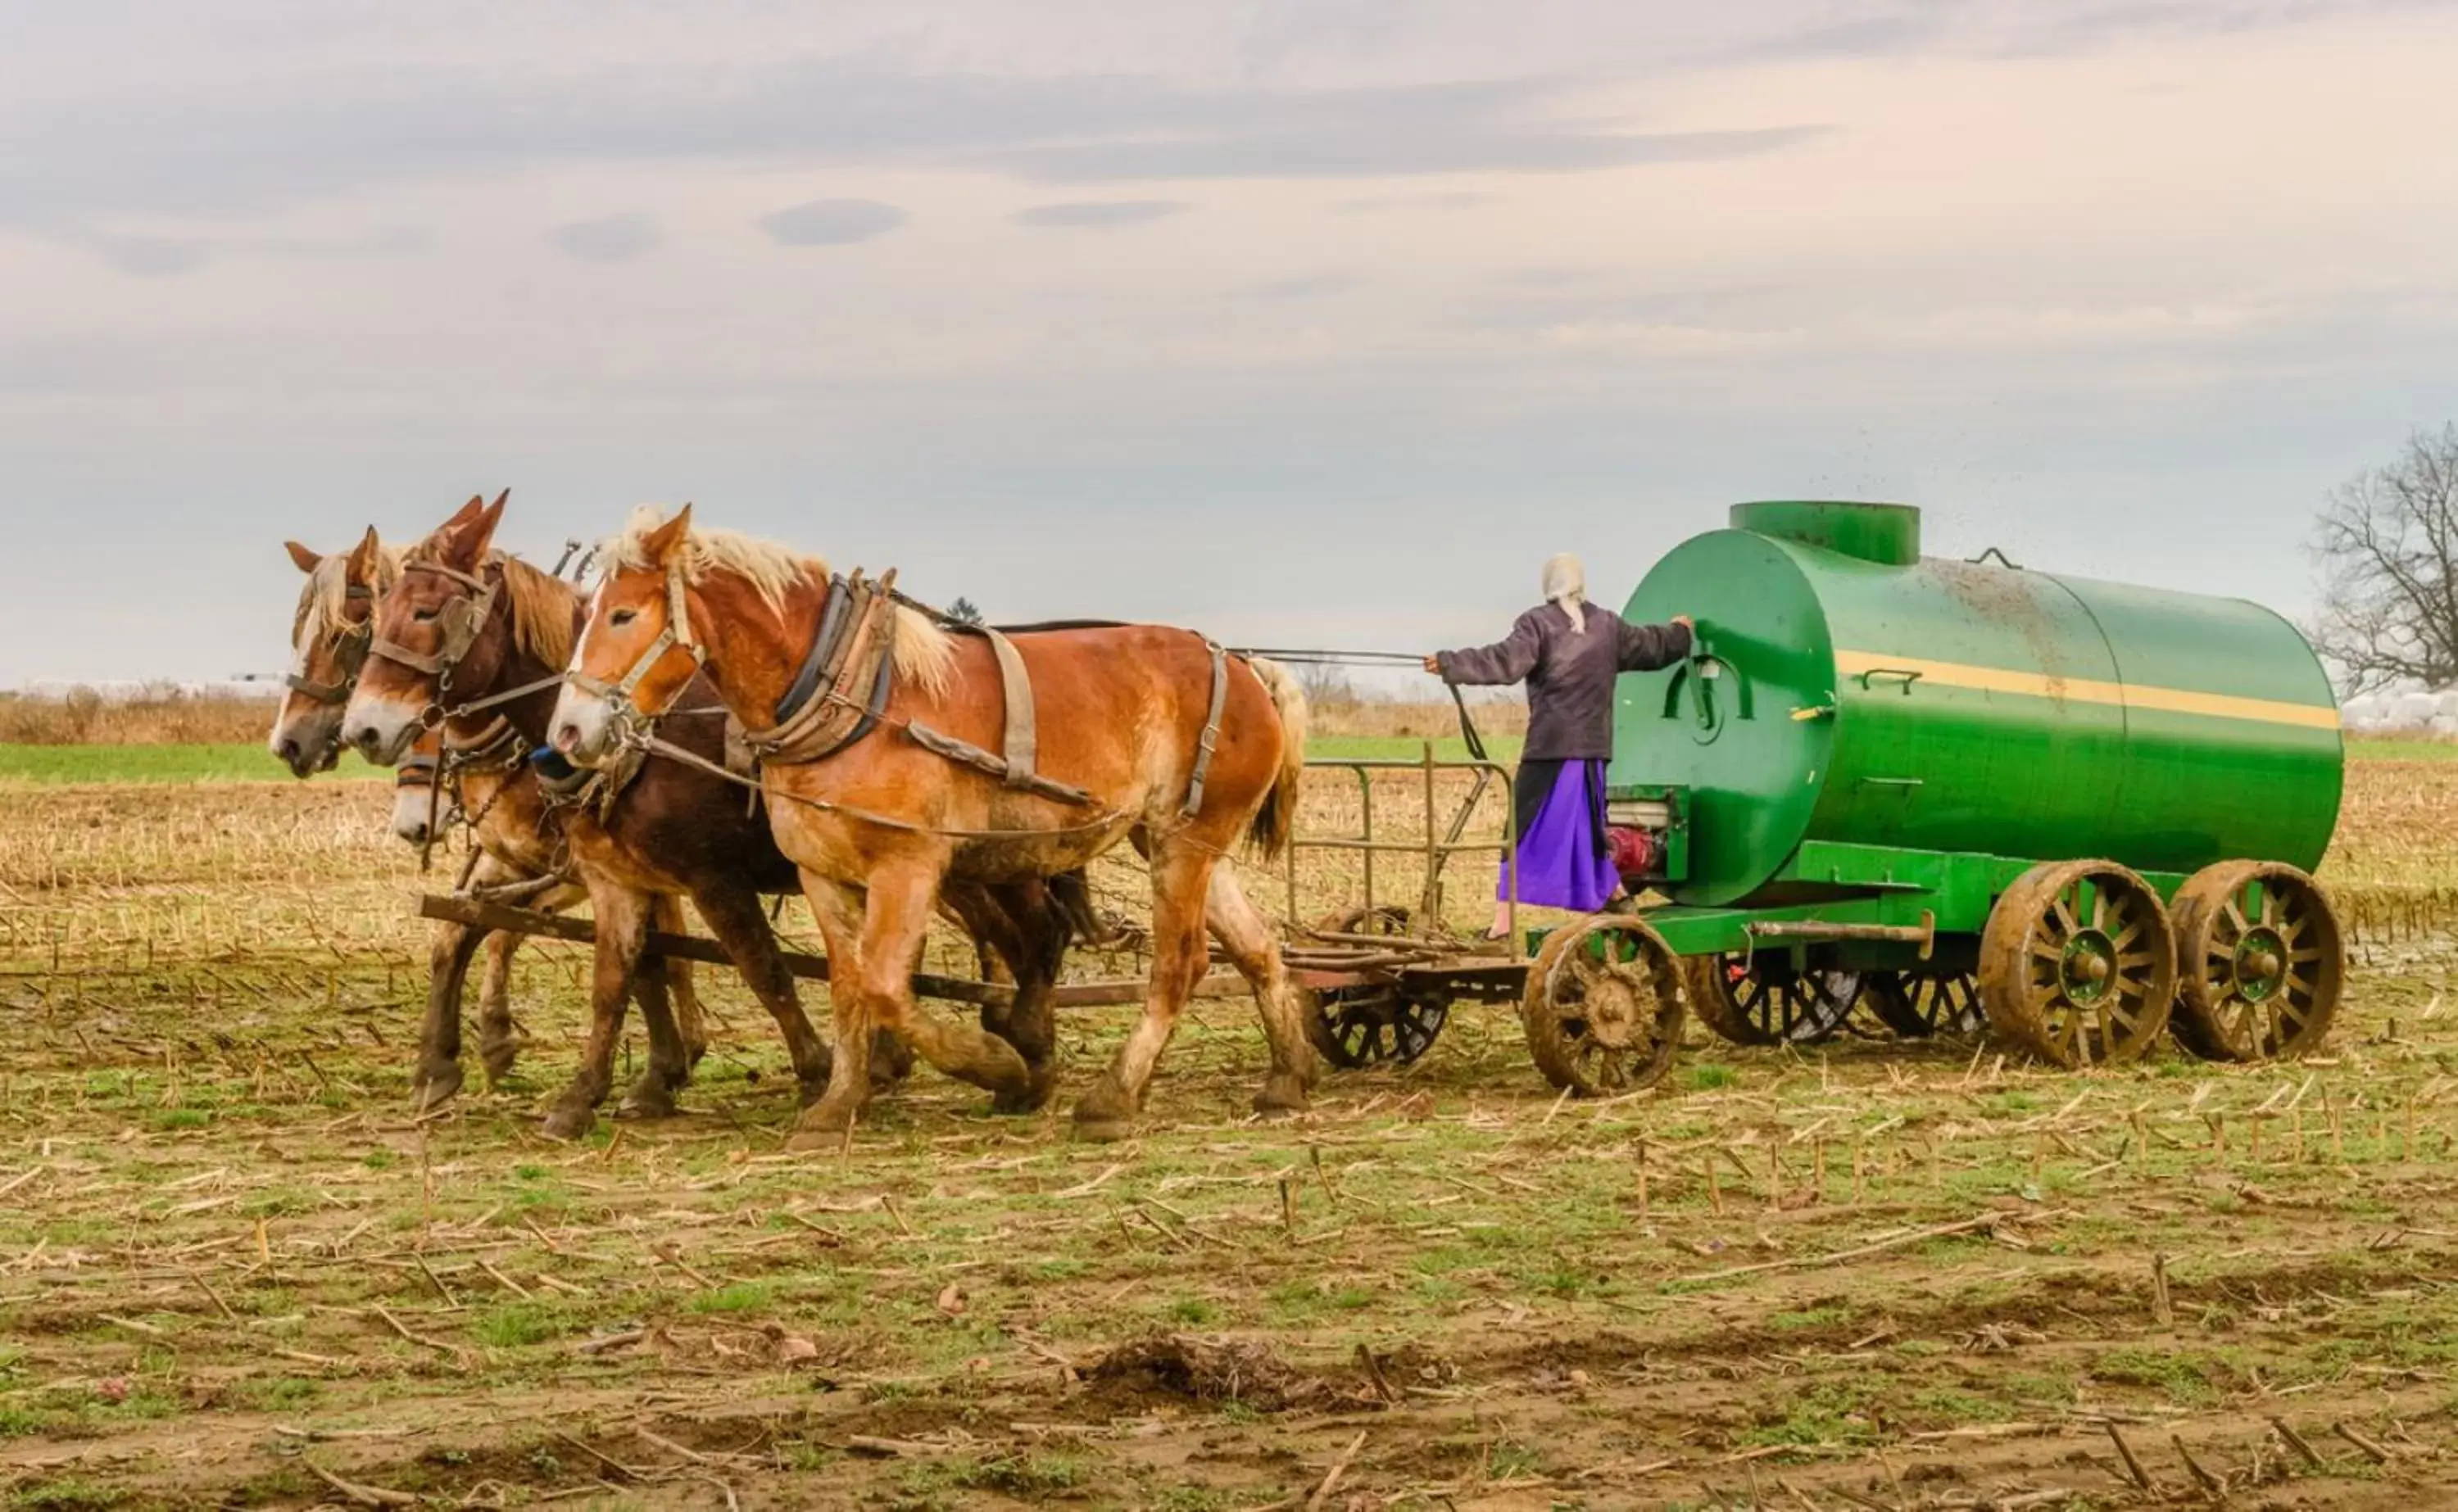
(458, 624)
(350, 645)
(677, 633)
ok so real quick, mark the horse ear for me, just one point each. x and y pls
(661, 544)
(362, 565)
(307, 560)
(464, 514)
(483, 530)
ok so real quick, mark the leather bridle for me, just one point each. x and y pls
(458, 622)
(677, 633)
(350, 645)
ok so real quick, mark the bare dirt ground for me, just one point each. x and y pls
(233, 1272)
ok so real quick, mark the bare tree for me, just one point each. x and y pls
(2389, 545)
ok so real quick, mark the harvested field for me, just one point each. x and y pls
(234, 1273)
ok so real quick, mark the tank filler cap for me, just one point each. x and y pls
(1888, 534)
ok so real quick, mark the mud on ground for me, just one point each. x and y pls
(233, 1272)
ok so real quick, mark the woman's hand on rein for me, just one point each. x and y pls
(1434, 664)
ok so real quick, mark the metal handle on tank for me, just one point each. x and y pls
(2003, 560)
(1905, 675)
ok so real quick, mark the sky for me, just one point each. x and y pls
(1302, 323)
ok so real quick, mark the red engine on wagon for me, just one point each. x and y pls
(1637, 855)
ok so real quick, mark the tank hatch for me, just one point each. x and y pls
(1888, 534)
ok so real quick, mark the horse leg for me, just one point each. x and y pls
(1035, 943)
(499, 1041)
(893, 923)
(824, 1124)
(1256, 952)
(988, 924)
(669, 1067)
(622, 919)
(689, 1021)
(438, 1076)
(1180, 957)
(732, 914)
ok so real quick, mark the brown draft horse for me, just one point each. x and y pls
(482, 638)
(329, 636)
(878, 827)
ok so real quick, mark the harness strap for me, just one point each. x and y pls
(853, 677)
(1016, 767)
(459, 622)
(658, 746)
(1211, 736)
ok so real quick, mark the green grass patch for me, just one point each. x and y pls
(161, 763)
(516, 1325)
(741, 1297)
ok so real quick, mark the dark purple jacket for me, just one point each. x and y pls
(1570, 676)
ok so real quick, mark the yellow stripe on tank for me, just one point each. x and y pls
(2082, 690)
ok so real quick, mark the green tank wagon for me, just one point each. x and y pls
(1965, 792)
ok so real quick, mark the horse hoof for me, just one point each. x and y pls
(1280, 1099)
(648, 1102)
(567, 1122)
(435, 1086)
(1029, 1099)
(498, 1059)
(1104, 1131)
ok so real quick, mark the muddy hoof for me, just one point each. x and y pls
(650, 1099)
(1104, 1131)
(498, 1057)
(435, 1086)
(822, 1128)
(1032, 1098)
(1280, 1097)
(566, 1121)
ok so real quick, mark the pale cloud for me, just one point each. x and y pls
(2123, 284)
(831, 222)
(1100, 213)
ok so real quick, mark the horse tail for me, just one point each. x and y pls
(1278, 817)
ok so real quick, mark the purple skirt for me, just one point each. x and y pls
(1564, 862)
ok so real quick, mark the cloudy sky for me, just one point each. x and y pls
(1313, 321)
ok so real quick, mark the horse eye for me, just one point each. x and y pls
(424, 616)
(623, 617)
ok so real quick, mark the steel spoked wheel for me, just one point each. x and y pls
(2077, 965)
(1919, 1006)
(1360, 1026)
(1603, 1007)
(1768, 1002)
(2261, 962)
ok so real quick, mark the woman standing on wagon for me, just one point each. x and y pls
(1568, 652)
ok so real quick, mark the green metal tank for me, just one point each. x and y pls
(1847, 689)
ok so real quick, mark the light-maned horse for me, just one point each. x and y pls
(468, 626)
(881, 825)
(330, 634)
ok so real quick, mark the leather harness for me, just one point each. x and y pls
(840, 692)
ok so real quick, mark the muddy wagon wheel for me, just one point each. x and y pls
(1770, 1004)
(1603, 1007)
(2261, 962)
(1353, 1028)
(1921, 1004)
(2077, 965)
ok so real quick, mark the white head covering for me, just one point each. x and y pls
(1566, 583)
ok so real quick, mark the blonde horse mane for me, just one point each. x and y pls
(542, 604)
(326, 597)
(925, 652)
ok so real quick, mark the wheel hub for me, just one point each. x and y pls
(2260, 964)
(2088, 968)
(1613, 1008)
